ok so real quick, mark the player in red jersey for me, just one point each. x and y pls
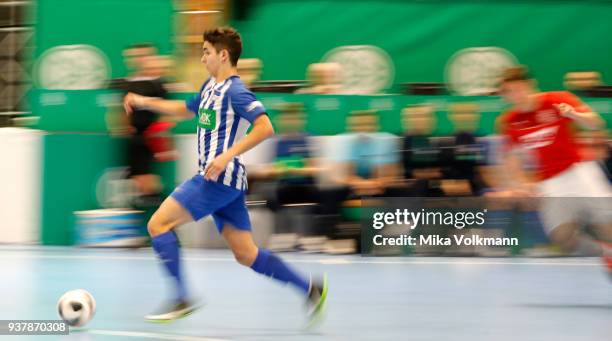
(542, 126)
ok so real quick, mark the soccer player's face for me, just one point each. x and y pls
(517, 92)
(210, 58)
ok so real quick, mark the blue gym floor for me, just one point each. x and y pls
(370, 298)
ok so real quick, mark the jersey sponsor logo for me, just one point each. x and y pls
(539, 138)
(207, 119)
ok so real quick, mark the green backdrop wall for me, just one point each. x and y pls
(552, 37)
(78, 48)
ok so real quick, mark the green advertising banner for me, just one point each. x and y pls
(85, 172)
(325, 114)
(462, 43)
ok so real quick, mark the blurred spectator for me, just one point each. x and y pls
(421, 159)
(249, 70)
(582, 80)
(293, 167)
(324, 78)
(466, 156)
(367, 157)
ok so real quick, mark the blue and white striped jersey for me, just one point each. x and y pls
(225, 111)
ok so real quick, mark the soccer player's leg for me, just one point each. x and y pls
(235, 227)
(569, 237)
(602, 216)
(559, 218)
(565, 231)
(597, 201)
(140, 161)
(172, 213)
(604, 232)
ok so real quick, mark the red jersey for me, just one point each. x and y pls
(545, 132)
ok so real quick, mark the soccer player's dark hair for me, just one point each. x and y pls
(225, 38)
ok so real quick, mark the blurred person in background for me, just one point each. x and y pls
(443, 165)
(544, 123)
(295, 171)
(366, 156)
(250, 70)
(364, 165)
(293, 167)
(323, 79)
(148, 135)
(465, 173)
(420, 163)
(225, 109)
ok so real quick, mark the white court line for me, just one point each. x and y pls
(329, 261)
(148, 335)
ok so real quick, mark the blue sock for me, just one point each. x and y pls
(272, 266)
(166, 246)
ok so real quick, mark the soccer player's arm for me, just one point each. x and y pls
(248, 107)
(574, 109)
(262, 129)
(177, 108)
(512, 176)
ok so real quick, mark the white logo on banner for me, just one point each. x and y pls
(366, 69)
(476, 71)
(72, 67)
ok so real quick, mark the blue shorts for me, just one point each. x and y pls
(202, 197)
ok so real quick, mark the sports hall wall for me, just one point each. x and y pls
(74, 163)
(422, 37)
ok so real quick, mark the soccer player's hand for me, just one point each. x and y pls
(216, 167)
(132, 101)
(566, 110)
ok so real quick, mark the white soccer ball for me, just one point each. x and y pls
(76, 307)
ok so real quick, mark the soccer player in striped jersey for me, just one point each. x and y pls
(225, 109)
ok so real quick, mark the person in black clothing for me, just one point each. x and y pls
(293, 167)
(439, 166)
(144, 126)
(467, 159)
(420, 156)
